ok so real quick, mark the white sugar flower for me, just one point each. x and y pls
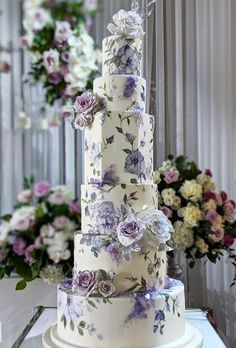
(127, 24)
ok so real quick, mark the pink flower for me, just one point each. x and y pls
(28, 254)
(229, 210)
(171, 176)
(217, 235)
(75, 208)
(210, 195)
(228, 240)
(211, 216)
(24, 196)
(41, 189)
(56, 198)
(51, 61)
(54, 78)
(61, 222)
(224, 196)
(167, 211)
(208, 173)
(19, 246)
(23, 224)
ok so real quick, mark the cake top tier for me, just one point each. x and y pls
(122, 52)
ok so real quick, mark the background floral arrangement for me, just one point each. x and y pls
(36, 240)
(63, 53)
(202, 217)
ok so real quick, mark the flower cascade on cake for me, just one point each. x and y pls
(120, 253)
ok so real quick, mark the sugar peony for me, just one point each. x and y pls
(85, 282)
(130, 231)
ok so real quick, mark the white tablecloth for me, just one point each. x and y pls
(194, 317)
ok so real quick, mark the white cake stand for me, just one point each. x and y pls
(191, 339)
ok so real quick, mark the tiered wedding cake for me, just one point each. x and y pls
(120, 296)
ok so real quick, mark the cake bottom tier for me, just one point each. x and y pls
(137, 320)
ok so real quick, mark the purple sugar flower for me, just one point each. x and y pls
(106, 288)
(134, 163)
(130, 86)
(130, 231)
(85, 282)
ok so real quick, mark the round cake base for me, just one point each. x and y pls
(191, 339)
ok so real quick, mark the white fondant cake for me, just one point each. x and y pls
(120, 295)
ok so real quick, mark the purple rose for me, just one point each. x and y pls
(130, 86)
(130, 231)
(166, 211)
(171, 176)
(81, 121)
(105, 217)
(86, 102)
(211, 216)
(85, 282)
(19, 246)
(134, 163)
(41, 189)
(54, 78)
(106, 288)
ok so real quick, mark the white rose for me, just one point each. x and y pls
(36, 19)
(47, 231)
(191, 190)
(168, 200)
(24, 196)
(5, 228)
(156, 177)
(176, 203)
(90, 5)
(62, 32)
(168, 193)
(51, 61)
(127, 24)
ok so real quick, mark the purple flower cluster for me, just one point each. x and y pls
(129, 60)
(130, 86)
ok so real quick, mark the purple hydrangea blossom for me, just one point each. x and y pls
(130, 86)
(135, 163)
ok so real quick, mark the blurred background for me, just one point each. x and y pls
(190, 66)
